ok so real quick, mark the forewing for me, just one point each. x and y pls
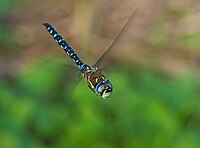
(97, 64)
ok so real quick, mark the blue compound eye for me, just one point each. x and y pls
(100, 88)
(107, 91)
(104, 89)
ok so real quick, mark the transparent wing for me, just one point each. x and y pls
(155, 38)
(98, 62)
(54, 65)
(130, 40)
(60, 76)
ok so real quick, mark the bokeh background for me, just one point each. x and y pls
(154, 67)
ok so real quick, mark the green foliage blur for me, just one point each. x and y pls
(148, 109)
(143, 111)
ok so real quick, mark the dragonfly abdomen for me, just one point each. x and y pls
(63, 44)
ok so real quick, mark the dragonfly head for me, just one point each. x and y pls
(104, 89)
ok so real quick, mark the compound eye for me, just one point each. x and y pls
(100, 88)
(107, 91)
(104, 89)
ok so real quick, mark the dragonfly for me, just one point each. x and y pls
(94, 77)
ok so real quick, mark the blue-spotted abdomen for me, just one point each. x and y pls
(63, 44)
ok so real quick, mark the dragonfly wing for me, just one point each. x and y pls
(54, 65)
(98, 62)
(69, 73)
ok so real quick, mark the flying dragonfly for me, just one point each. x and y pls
(94, 77)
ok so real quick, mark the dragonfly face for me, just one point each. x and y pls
(96, 81)
(104, 89)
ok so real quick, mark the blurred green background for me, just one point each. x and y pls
(154, 68)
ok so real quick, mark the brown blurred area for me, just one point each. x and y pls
(90, 26)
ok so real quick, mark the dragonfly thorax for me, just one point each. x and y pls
(96, 81)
